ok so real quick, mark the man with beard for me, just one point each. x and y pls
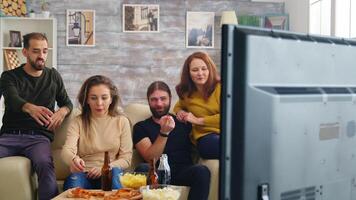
(164, 134)
(30, 92)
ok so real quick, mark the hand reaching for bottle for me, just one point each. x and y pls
(94, 173)
(167, 124)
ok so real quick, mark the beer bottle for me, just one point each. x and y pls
(152, 175)
(164, 171)
(106, 183)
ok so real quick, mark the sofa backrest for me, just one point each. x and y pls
(60, 134)
(136, 112)
(61, 169)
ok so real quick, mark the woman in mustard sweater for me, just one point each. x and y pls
(199, 103)
(99, 128)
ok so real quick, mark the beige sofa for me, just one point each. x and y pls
(19, 182)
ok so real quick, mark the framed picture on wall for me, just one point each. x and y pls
(277, 21)
(15, 39)
(140, 18)
(250, 20)
(80, 28)
(200, 30)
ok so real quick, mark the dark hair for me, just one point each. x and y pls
(186, 87)
(33, 36)
(158, 85)
(83, 98)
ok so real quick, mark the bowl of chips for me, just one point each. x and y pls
(160, 191)
(133, 180)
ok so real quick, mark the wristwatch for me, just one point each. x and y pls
(163, 134)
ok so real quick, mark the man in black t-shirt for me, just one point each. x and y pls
(30, 92)
(164, 134)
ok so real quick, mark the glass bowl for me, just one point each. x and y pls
(160, 191)
(133, 180)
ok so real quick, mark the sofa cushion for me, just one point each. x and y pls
(137, 112)
(61, 169)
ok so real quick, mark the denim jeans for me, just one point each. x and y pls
(37, 148)
(209, 146)
(80, 179)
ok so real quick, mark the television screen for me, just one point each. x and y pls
(288, 116)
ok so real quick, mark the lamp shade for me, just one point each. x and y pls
(228, 17)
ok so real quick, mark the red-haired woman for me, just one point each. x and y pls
(199, 103)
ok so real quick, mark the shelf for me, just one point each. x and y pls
(26, 18)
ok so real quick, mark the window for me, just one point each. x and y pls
(320, 17)
(333, 17)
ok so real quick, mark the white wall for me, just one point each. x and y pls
(298, 11)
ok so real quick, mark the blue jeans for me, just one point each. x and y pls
(209, 146)
(80, 179)
(37, 148)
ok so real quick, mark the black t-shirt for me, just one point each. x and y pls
(178, 146)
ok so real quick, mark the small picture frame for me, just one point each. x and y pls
(200, 30)
(80, 28)
(11, 59)
(140, 18)
(15, 39)
(277, 21)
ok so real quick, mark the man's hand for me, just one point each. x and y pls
(77, 165)
(167, 124)
(57, 118)
(94, 173)
(41, 114)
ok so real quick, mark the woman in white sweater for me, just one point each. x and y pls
(100, 127)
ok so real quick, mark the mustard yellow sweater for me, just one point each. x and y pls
(209, 110)
(112, 134)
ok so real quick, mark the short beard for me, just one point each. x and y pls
(158, 115)
(36, 67)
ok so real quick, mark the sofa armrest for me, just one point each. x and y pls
(213, 166)
(17, 179)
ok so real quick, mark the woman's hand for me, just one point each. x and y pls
(193, 119)
(77, 165)
(94, 173)
(181, 115)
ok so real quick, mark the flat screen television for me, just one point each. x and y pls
(288, 116)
